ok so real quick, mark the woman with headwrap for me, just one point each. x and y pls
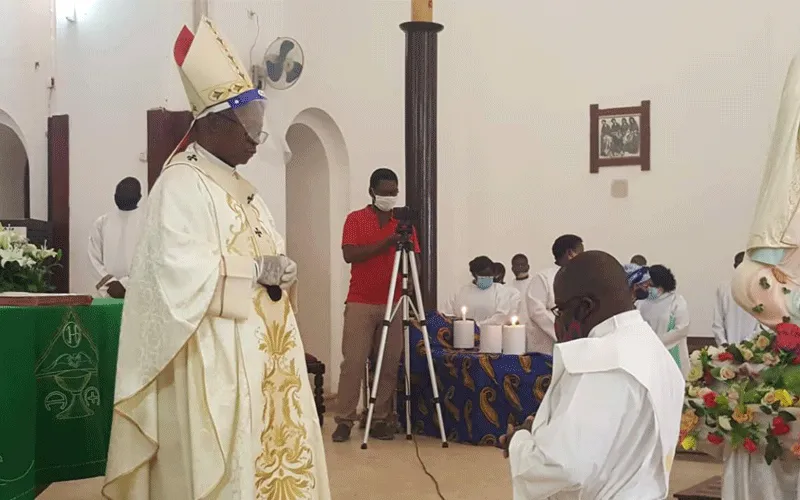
(638, 280)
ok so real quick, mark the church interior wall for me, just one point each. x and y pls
(26, 59)
(515, 85)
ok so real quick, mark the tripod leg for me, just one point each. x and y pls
(387, 320)
(407, 345)
(426, 340)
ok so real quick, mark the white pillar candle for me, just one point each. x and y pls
(514, 338)
(492, 339)
(463, 313)
(464, 334)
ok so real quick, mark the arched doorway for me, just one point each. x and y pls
(14, 183)
(317, 202)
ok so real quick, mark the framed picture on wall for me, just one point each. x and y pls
(619, 137)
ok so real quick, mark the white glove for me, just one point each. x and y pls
(276, 270)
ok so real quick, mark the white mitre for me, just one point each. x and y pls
(215, 79)
(775, 224)
(213, 76)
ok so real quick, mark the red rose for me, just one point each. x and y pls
(715, 438)
(710, 400)
(779, 426)
(725, 356)
(750, 445)
(788, 337)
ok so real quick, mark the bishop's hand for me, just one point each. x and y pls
(276, 270)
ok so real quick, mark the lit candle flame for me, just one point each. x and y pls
(514, 321)
(464, 313)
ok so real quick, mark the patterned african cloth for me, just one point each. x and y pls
(480, 393)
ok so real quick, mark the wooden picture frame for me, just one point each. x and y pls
(619, 137)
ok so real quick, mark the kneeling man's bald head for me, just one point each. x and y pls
(589, 289)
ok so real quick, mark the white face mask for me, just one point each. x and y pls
(385, 203)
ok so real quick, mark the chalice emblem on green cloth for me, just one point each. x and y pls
(66, 372)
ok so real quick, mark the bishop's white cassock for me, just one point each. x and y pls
(111, 245)
(212, 398)
(539, 302)
(608, 425)
(494, 306)
(731, 323)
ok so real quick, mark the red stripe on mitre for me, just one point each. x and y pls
(182, 45)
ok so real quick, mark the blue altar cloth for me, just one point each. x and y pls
(480, 393)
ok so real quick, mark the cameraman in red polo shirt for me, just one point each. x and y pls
(369, 245)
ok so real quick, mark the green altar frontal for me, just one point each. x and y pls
(56, 393)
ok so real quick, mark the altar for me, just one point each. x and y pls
(480, 393)
(56, 393)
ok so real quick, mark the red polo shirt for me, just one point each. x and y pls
(369, 280)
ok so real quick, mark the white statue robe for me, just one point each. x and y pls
(775, 233)
(539, 302)
(494, 306)
(773, 244)
(609, 423)
(212, 396)
(111, 245)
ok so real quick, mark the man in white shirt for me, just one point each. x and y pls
(113, 240)
(731, 323)
(539, 299)
(608, 424)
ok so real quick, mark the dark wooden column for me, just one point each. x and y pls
(58, 195)
(421, 66)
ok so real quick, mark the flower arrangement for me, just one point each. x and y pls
(745, 395)
(25, 267)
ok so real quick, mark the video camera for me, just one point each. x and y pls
(404, 217)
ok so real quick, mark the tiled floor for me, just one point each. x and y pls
(390, 470)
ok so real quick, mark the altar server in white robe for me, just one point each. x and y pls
(667, 312)
(113, 240)
(608, 425)
(212, 392)
(487, 302)
(731, 323)
(539, 299)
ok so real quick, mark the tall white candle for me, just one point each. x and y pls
(463, 313)
(514, 338)
(463, 334)
(492, 339)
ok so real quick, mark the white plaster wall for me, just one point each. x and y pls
(26, 66)
(12, 174)
(308, 236)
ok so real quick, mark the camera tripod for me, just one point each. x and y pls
(404, 255)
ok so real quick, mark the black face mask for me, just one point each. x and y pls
(126, 203)
(641, 294)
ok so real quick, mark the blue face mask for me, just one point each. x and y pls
(484, 282)
(653, 293)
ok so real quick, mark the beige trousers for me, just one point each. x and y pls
(362, 335)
